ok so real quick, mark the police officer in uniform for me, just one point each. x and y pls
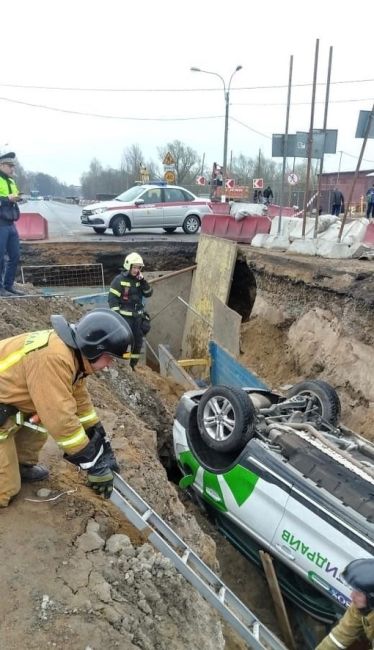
(126, 294)
(9, 213)
(358, 621)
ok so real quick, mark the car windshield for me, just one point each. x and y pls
(130, 194)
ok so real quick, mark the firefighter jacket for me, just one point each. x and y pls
(9, 211)
(353, 626)
(126, 294)
(41, 375)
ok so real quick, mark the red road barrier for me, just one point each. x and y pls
(369, 235)
(31, 225)
(241, 231)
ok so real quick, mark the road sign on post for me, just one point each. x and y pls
(169, 177)
(168, 160)
(258, 183)
(230, 183)
(200, 180)
(292, 178)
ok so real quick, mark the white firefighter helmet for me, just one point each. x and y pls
(131, 259)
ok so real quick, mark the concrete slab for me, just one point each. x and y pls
(303, 246)
(277, 243)
(259, 240)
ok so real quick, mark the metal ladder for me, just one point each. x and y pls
(207, 583)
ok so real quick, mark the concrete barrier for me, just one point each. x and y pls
(369, 235)
(31, 225)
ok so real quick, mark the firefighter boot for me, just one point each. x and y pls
(31, 473)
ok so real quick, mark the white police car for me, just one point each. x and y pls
(279, 473)
(155, 205)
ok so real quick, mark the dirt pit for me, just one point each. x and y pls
(76, 574)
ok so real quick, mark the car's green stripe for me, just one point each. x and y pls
(241, 482)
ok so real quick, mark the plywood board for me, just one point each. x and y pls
(215, 260)
(226, 327)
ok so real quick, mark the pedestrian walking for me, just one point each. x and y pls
(370, 204)
(268, 195)
(9, 213)
(43, 377)
(358, 620)
(337, 202)
(126, 297)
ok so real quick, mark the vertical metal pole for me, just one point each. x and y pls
(324, 140)
(310, 137)
(202, 165)
(225, 138)
(367, 131)
(340, 164)
(285, 144)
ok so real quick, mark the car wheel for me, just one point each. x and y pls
(323, 400)
(191, 224)
(225, 417)
(100, 231)
(169, 230)
(119, 226)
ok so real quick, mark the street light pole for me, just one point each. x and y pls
(226, 90)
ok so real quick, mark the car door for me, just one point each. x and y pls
(316, 544)
(150, 212)
(175, 207)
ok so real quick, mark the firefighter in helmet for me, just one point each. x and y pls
(358, 620)
(126, 294)
(42, 377)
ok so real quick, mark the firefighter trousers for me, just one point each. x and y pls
(21, 447)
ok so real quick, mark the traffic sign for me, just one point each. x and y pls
(169, 177)
(168, 160)
(230, 183)
(258, 183)
(292, 178)
(200, 180)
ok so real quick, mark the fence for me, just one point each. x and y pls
(67, 275)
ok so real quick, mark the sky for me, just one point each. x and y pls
(138, 58)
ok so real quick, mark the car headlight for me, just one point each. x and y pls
(98, 210)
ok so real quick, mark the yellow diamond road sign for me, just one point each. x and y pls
(169, 177)
(168, 160)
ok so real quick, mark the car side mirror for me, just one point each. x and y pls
(139, 202)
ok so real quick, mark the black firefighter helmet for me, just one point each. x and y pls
(98, 332)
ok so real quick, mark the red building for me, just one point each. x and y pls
(343, 181)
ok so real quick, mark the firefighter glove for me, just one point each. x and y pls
(100, 478)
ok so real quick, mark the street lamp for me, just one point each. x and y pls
(226, 90)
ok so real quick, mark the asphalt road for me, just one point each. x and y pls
(64, 223)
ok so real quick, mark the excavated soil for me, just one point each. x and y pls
(76, 574)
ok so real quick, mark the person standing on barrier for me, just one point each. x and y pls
(43, 391)
(358, 621)
(370, 204)
(337, 202)
(126, 294)
(9, 213)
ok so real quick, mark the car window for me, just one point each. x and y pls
(174, 194)
(152, 196)
(188, 196)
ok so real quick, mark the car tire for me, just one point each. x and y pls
(323, 398)
(119, 226)
(169, 230)
(225, 418)
(191, 224)
(99, 231)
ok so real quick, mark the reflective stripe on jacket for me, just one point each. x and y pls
(38, 374)
(126, 294)
(9, 211)
(353, 626)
